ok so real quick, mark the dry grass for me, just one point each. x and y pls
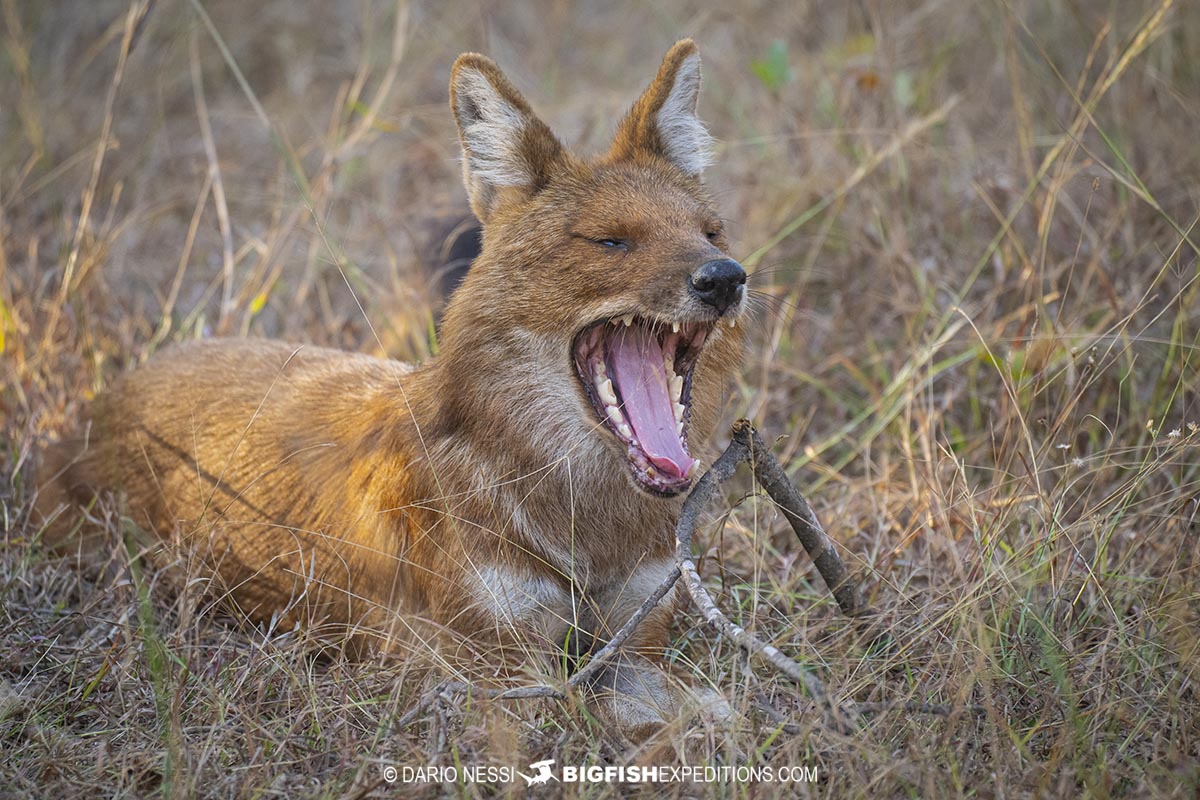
(977, 332)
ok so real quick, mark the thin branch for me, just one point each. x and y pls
(741, 448)
(605, 653)
(803, 521)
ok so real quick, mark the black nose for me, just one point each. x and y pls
(719, 283)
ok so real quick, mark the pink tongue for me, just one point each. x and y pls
(636, 358)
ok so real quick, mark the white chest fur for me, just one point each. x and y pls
(551, 609)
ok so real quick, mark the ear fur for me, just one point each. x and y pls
(663, 121)
(508, 153)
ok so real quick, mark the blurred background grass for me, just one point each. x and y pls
(972, 230)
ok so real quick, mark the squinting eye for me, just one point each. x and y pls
(612, 243)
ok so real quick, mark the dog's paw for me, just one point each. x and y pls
(641, 699)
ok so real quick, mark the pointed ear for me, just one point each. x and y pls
(663, 121)
(508, 153)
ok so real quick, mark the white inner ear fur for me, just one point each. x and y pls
(688, 143)
(491, 131)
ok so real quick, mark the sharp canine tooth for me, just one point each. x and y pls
(625, 431)
(732, 322)
(607, 394)
(627, 319)
(676, 387)
(679, 409)
(614, 414)
(675, 327)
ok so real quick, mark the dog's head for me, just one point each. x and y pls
(605, 284)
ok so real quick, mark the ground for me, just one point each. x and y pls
(971, 227)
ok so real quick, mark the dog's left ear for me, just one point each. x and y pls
(663, 121)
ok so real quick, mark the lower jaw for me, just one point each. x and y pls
(660, 490)
(659, 484)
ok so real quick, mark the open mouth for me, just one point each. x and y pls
(637, 373)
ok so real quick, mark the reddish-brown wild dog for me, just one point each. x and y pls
(516, 494)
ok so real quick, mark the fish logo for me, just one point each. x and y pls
(543, 775)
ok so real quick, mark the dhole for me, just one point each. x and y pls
(517, 493)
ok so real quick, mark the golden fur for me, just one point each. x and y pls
(474, 499)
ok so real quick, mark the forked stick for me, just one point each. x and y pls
(747, 445)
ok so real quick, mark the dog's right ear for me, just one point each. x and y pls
(508, 153)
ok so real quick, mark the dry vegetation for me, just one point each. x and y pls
(973, 230)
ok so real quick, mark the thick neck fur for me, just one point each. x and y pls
(519, 462)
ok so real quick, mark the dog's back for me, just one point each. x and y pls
(233, 447)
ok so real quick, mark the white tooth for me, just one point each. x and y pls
(676, 387)
(679, 409)
(679, 429)
(625, 431)
(694, 468)
(598, 370)
(675, 327)
(733, 322)
(605, 388)
(614, 414)
(627, 319)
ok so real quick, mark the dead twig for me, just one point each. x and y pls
(746, 445)
(804, 522)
